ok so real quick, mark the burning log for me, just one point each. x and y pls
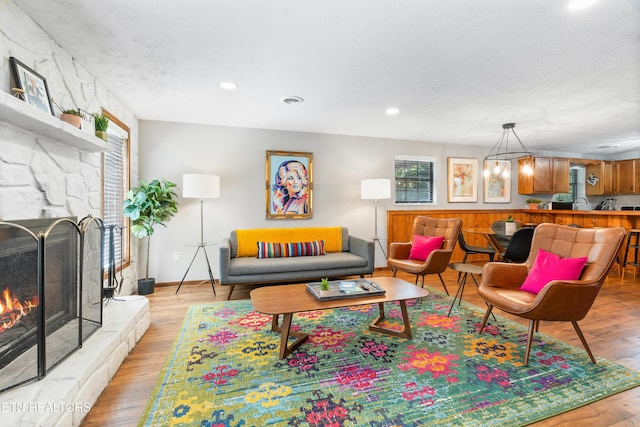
(12, 309)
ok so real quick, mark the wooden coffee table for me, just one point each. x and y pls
(289, 299)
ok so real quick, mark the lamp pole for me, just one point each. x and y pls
(200, 186)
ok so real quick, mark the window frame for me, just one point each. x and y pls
(434, 179)
(126, 170)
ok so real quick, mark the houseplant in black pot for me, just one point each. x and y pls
(148, 205)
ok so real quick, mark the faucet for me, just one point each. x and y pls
(580, 201)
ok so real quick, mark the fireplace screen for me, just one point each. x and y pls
(50, 293)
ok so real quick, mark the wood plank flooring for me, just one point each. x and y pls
(612, 329)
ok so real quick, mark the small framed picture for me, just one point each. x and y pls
(462, 180)
(497, 181)
(36, 91)
(88, 122)
(289, 185)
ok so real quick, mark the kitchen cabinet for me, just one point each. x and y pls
(600, 178)
(626, 176)
(550, 175)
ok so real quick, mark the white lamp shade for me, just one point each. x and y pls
(375, 189)
(200, 186)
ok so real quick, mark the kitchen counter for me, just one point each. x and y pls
(626, 219)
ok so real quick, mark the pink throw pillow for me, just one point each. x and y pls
(423, 245)
(548, 266)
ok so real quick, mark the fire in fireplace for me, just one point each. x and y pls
(12, 309)
(51, 283)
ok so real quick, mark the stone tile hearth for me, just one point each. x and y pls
(67, 393)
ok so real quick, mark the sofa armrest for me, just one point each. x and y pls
(224, 251)
(363, 248)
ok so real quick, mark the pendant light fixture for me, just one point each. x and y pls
(496, 161)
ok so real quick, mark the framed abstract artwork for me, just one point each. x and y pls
(289, 186)
(36, 91)
(497, 181)
(462, 180)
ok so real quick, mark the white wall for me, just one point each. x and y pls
(39, 177)
(168, 150)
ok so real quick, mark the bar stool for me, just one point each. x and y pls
(634, 232)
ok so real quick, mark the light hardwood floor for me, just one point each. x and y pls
(612, 329)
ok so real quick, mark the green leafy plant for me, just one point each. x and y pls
(148, 205)
(509, 219)
(74, 111)
(324, 284)
(101, 121)
(534, 201)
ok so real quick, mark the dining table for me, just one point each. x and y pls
(490, 235)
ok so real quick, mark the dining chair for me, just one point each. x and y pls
(429, 250)
(471, 250)
(518, 248)
(553, 289)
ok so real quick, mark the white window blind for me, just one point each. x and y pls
(415, 179)
(115, 183)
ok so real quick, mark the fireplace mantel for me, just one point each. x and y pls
(28, 117)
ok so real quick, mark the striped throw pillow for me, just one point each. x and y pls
(281, 250)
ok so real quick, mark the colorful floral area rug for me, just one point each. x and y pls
(224, 371)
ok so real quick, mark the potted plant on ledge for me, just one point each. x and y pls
(102, 123)
(533, 203)
(73, 117)
(147, 206)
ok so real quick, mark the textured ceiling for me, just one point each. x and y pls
(456, 69)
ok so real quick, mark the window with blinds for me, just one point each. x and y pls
(115, 185)
(415, 179)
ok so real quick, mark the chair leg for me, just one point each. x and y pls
(533, 326)
(486, 317)
(441, 281)
(584, 341)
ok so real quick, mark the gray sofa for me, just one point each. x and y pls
(356, 258)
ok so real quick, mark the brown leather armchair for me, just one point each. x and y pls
(558, 300)
(438, 260)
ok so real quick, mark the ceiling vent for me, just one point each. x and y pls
(292, 100)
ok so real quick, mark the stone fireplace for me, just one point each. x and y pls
(50, 293)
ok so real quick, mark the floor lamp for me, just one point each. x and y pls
(376, 190)
(200, 186)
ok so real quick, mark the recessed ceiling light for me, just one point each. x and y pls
(292, 100)
(580, 4)
(392, 111)
(228, 85)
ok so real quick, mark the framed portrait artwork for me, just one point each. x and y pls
(462, 180)
(497, 181)
(289, 184)
(36, 91)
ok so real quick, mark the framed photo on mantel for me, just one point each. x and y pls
(36, 91)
